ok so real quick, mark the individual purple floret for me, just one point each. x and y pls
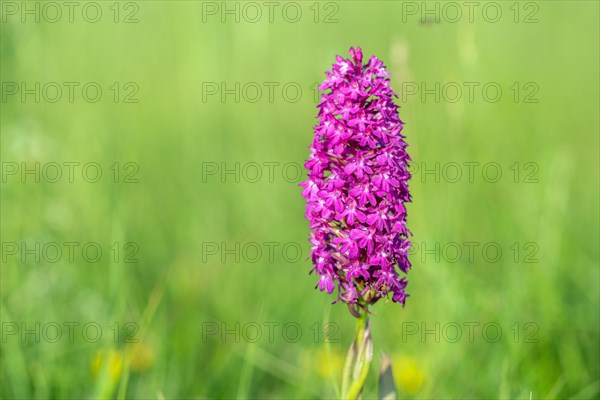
(357, 185)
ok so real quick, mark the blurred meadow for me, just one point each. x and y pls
(202, 289)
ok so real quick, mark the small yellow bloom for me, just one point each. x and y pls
(142, 357)
(329, 363)
(110, 359)
(407, 374)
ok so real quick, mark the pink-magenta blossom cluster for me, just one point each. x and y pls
(357, 185)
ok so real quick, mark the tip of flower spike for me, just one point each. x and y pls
(356, 55)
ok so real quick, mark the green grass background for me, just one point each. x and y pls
(171, 132)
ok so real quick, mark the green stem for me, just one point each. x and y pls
(361, 325)
(359, 359)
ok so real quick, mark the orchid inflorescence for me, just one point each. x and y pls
(357, 186)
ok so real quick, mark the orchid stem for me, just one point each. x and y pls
(359, 359)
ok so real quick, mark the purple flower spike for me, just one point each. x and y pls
(357, 185)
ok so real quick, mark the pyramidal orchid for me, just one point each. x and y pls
(357, 185)
(355, 194)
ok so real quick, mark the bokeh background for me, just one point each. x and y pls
(195, 232)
